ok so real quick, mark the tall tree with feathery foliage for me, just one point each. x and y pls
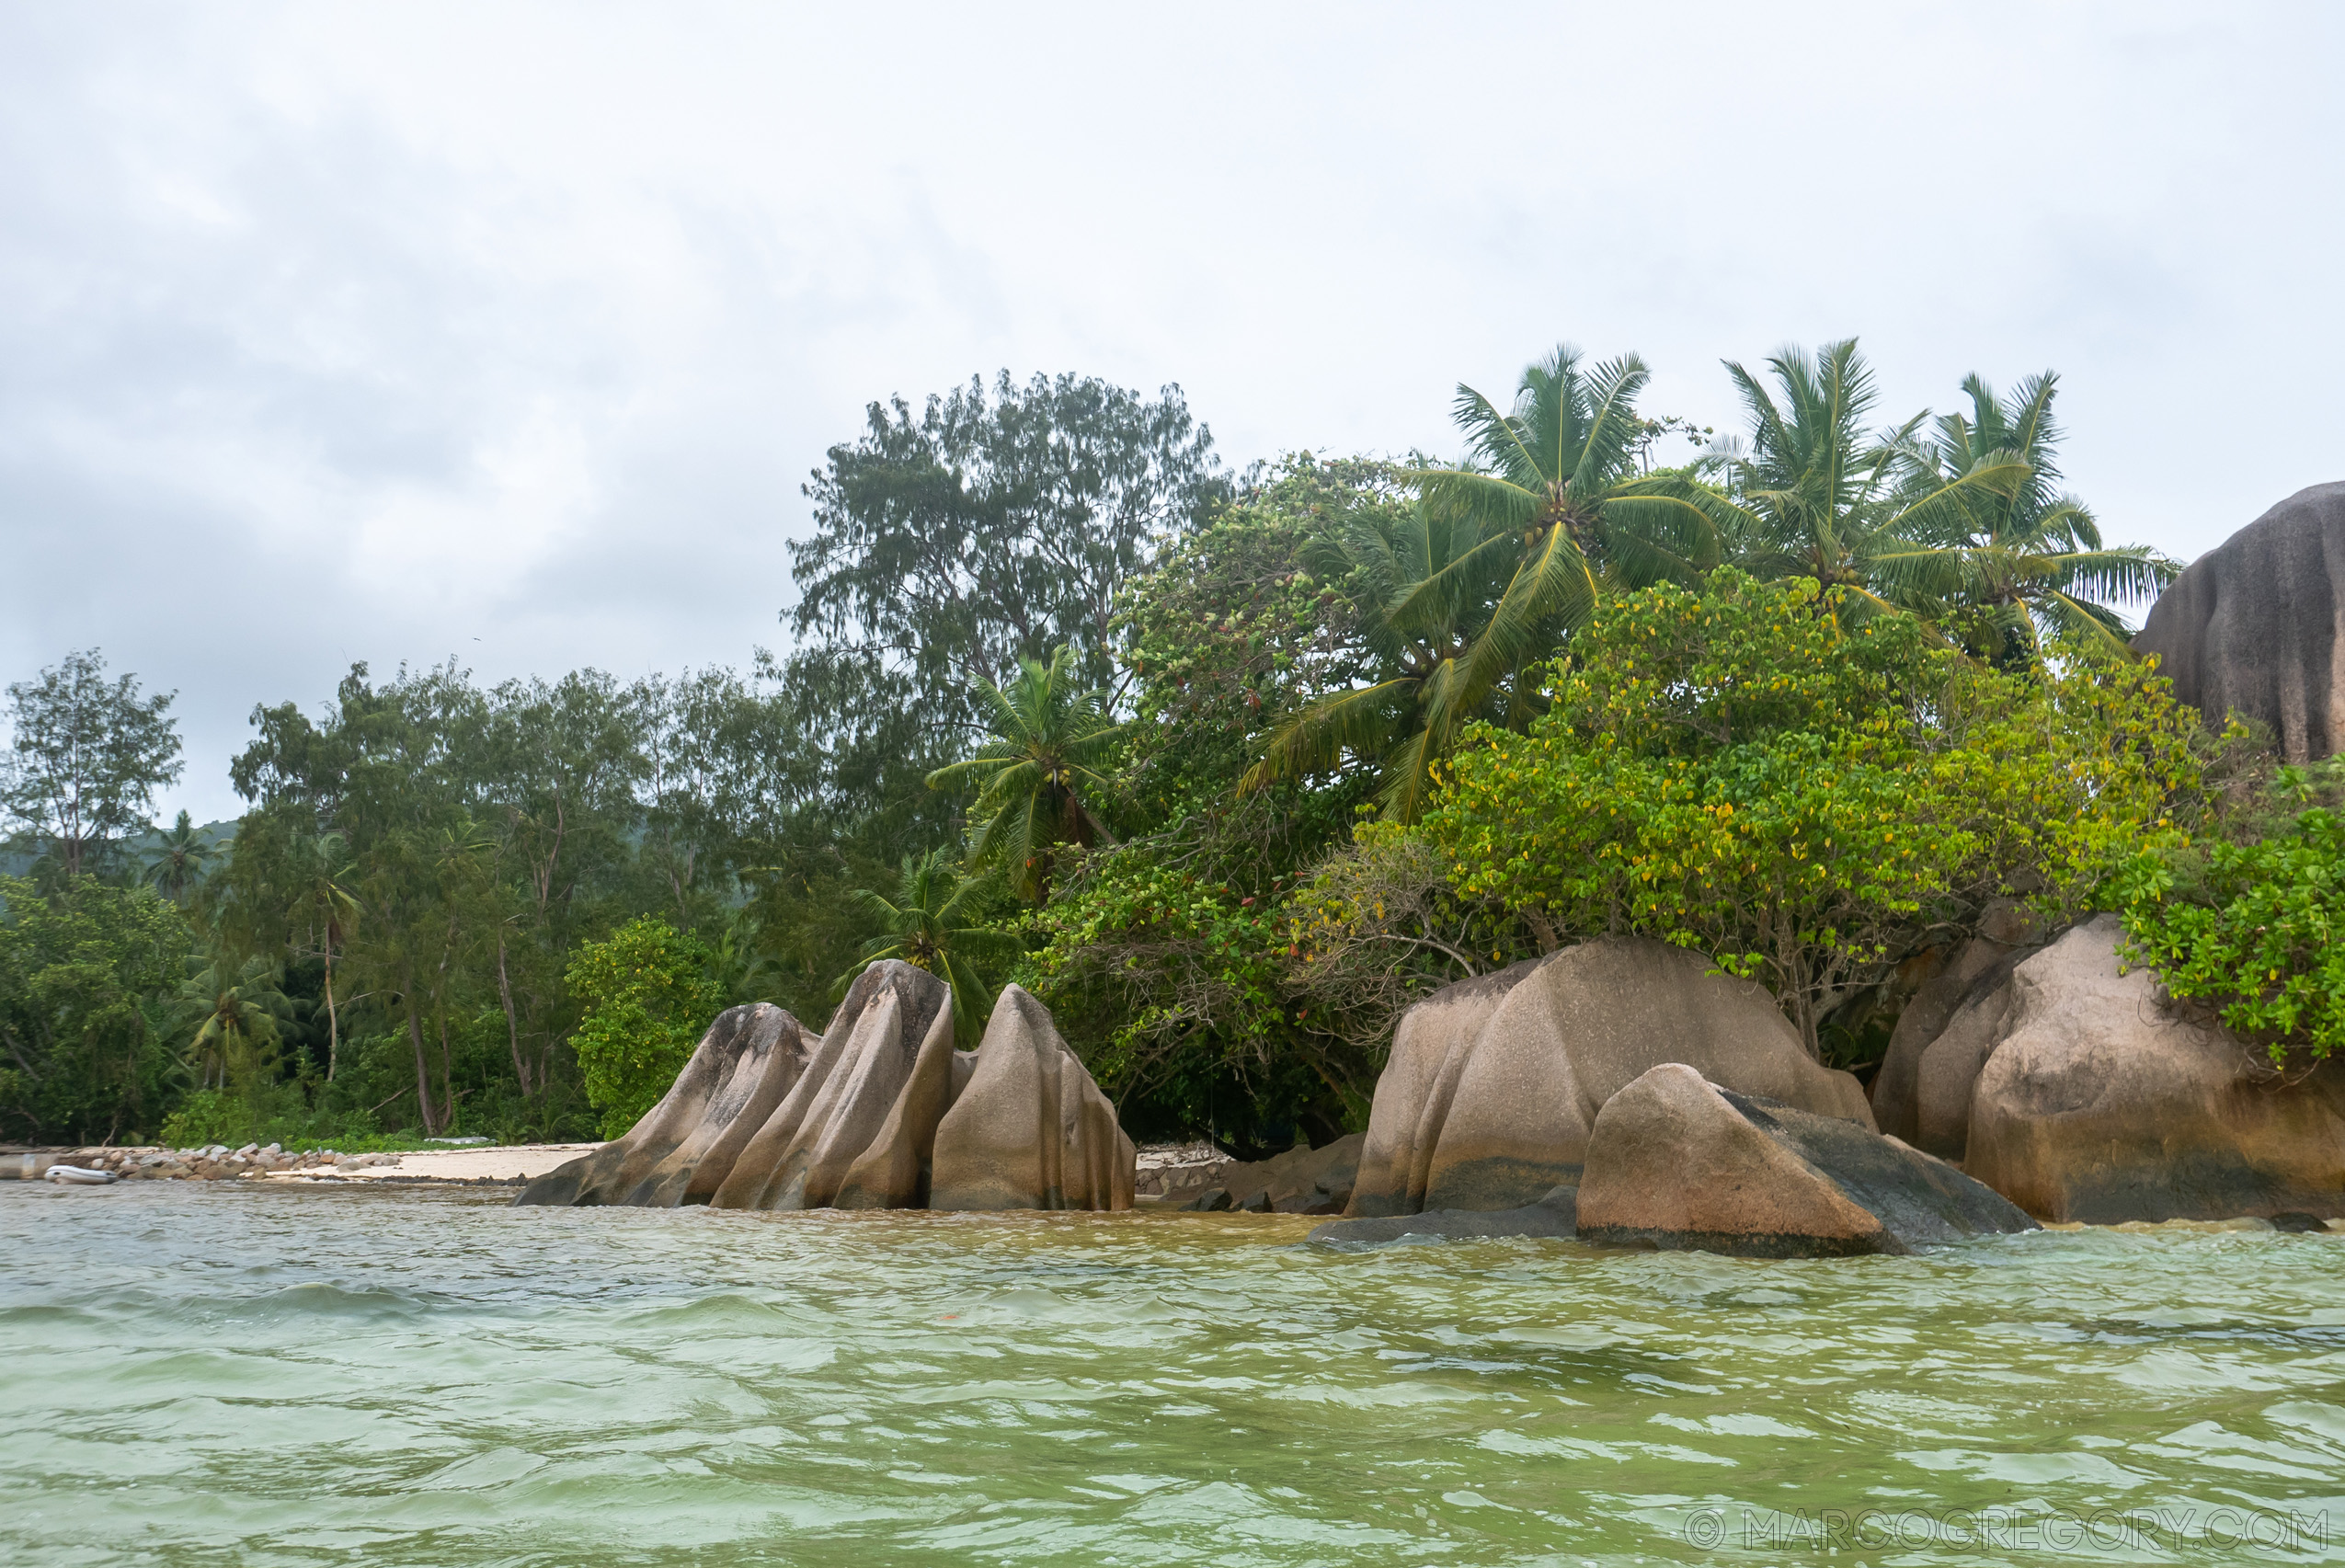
(1813, 495)
(1507, 553)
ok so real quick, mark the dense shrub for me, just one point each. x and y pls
(647, 999)
(2250, 926)
(1805, 791)
(82, 972)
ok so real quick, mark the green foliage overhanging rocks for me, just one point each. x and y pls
(2248, 920)
(1807, 794)
(1228, 770)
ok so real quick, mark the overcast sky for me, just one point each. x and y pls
(510, 332)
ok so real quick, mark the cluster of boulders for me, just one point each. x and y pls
(1625, 1089)
(213, 1163)
(1163, 1168)
(1301, 1181)
(2065, 1080)
(879, 1111)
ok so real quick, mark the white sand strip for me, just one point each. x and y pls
(503, 1162)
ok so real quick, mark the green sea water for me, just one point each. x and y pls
(216, 1374)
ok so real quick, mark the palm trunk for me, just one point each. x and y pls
(447, 1083)
(333, 1023)
(423, 1063)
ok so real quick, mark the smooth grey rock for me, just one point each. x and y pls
(684, 1144)
(1032, 1129)
(1527, 1057)
(1303, 1180)
(1429, 1034)
(2098, 1102)
(1974, 965)
(1676, 1162)
(2257, 623)
(800, 1158)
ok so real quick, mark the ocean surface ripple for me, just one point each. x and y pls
(237, 1374)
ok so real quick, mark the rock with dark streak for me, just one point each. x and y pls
(2257, 625)
(1677, 1162)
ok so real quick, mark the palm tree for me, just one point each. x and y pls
(927, 921)
(2014, 565)
(1813, 497)
(178, 862)
(1506, 553)
(1424, 591)
(1556, 490)
(1038, 780)
(323, 904)
(742, 969)
(234, 1012)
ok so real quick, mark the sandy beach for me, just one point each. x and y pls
(507, 1163)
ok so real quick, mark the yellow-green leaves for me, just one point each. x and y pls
(1738, 770)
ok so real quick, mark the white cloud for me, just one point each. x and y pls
(333, 333)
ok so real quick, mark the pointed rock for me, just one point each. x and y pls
(1031, 1130)
(801, 1156)
(684, 1146)
(1444, 1023)
(893, 1172)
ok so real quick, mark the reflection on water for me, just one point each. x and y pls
(215, 1374)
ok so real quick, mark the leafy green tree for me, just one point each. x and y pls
(2008, 566)
(86, 757)
(1040, 779)
(1813, 495)
(1742, 771)
(647, 1000)
(935, 917)
(1162, 955)
(952, 542)
(84, 970)
(1175, 977)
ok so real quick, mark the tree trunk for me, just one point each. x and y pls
(447, 1084)
(1542, 927)
(423, 1064)
(512, 1025)
(333, 1023)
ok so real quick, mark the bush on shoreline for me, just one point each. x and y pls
(2249, 922)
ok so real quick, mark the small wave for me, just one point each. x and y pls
(704, 1314)
(310, 1299)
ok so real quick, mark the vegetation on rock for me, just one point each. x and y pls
(1806, 795)
(1227, 771)
(2250, 921)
